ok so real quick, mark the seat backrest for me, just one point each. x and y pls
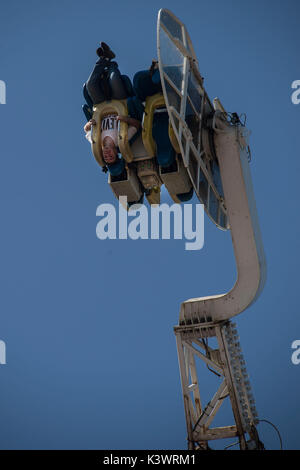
(128, 85)
(87, 96)
(87, 112)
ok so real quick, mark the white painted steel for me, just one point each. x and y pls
(232, 154)
(235, 386)
(205, 317)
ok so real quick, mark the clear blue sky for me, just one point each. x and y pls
(88, 324)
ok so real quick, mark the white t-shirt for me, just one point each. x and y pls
(109, 128)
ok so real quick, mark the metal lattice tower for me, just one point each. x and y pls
(215, 152)
(228, 362)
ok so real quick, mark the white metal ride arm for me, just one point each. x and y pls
(231, 147)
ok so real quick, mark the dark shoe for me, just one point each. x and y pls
(100, 52)
(107, 51)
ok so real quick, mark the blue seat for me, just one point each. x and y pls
(87, 112)
(144, 85)
(127, 85)
(87, 108)
(160, 131)
(87, 97)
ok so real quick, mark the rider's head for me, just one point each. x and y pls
(109, 150)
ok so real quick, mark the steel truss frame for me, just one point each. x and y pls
(227, 361)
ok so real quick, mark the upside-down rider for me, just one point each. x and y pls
(106, 83)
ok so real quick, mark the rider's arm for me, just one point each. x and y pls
(87, 129)
(130, 121)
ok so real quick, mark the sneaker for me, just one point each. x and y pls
(107, 52)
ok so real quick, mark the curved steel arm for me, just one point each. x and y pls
(231, 147)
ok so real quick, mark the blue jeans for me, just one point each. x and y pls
(105, 82)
